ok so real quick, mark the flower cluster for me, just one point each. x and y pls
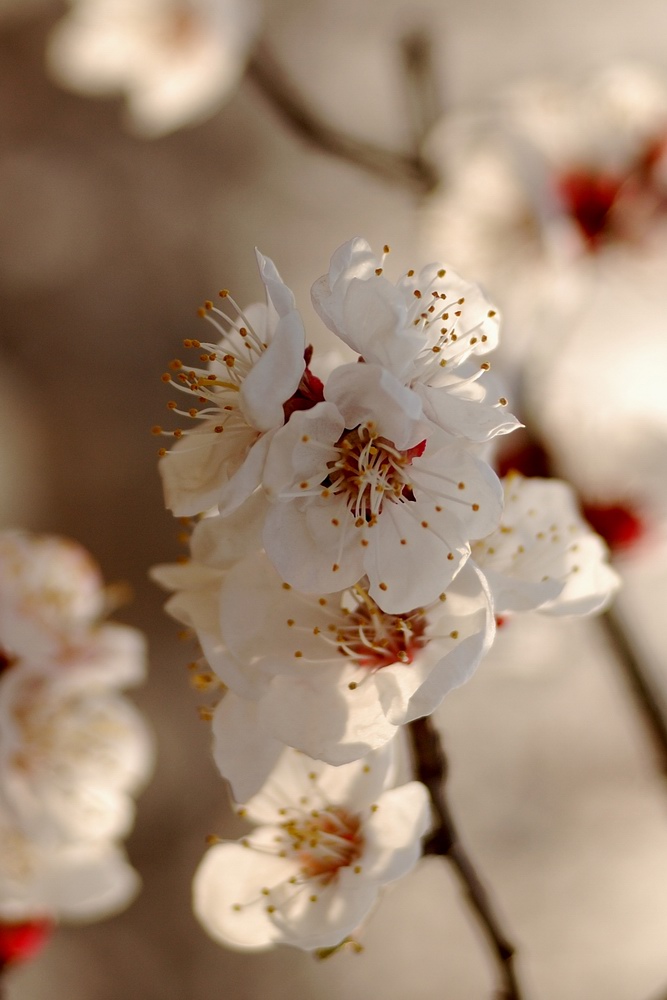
(354, 548)
(73, 750)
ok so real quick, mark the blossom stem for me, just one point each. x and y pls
(407, 170)
(431, 769)
(647, 700)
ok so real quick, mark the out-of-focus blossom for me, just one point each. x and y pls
(73, 750)
(47, 878)
(51, 593)
(550, 175)
(555, 198)
(251, 374)
(175, 61)
(544, 556)
(326, 840)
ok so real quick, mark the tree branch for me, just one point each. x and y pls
(647, 701)
(407, 170)
(431, 769)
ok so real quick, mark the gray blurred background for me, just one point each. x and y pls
(107, 245)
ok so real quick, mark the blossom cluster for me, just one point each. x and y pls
(352, 551)
(73, 749)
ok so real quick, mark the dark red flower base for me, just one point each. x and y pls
(20, 942)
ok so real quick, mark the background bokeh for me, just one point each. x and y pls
(107, 245)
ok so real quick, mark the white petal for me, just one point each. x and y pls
(198, 466)
(369, 393)
(243, 751)
(221, 542)
(278, 294)
(544, 553)
(337, 910)
(231, 875)
(394, 830)
(316, 712)
(301, 449)
(276, 375)
(314, 546)
(247, 478)
(415, 553)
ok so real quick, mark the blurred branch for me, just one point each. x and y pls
(421, 86)
(650, 706)
(407, 170)
(431, 769)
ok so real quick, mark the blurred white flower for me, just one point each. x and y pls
(51, 593)
(326, 840)
(73, 750)
(46, 877)
(250, 376)
(539, 183)
(176, 61)
(555, 198)
(544, 556)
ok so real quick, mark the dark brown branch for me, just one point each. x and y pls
(431, 769)
(407, 170)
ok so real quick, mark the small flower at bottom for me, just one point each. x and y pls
(326, 840)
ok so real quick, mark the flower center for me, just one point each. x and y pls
(370, 470)
(589, 198)
(325, 841)
(309, 391)
(620, 526)
(376, 639)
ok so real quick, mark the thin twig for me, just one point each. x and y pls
(431, 769)
(408, 170)
(650, 706)
(422, 90)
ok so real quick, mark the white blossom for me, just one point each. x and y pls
(326, 840)
(175, 61)
(544, 556)
(361, 484)
(427, 330)
(330, 674)
(251, 374)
